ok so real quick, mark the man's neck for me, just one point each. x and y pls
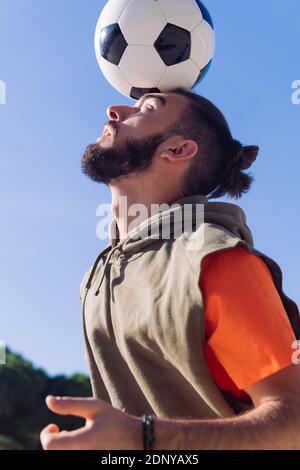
(127, 216)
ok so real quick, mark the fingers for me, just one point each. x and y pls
(52, 439)
(52, 428)
(46, 434)
(88, 408)
(80, 439)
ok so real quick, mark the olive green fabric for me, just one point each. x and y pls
(143, 317)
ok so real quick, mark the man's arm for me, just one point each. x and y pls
(273, 424)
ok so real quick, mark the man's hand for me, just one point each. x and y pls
(106, 428)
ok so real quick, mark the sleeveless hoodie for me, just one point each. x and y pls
(143, 316)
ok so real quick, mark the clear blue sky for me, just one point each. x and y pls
(56, 104)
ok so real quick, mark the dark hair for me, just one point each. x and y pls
(218, 168)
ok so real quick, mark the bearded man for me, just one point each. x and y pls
(189, 338)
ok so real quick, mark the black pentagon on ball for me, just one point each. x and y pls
(137, 93)
(173, 44)
(112, 43)
(202, 74)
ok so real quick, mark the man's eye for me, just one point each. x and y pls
(149, 106)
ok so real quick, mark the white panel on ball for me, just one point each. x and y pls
(185, 14)
(142, 21)
(111, 12)
(184, 75)
(203, 44)
(142, 66)
(114, 76)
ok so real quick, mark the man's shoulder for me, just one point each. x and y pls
(209, 237)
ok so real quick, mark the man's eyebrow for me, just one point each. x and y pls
(162, 100)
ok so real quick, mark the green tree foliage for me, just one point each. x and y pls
(23, 412)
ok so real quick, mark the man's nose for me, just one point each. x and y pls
(120, 113)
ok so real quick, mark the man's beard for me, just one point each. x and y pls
(135, 156)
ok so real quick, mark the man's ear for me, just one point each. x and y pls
(184, 150)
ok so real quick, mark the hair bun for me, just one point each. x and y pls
(245, 155)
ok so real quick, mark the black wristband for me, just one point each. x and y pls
(148, 432)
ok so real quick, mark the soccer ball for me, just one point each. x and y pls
(148, 46)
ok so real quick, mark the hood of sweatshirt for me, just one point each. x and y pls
(228, 215)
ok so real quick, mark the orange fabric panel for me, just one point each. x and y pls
(248, 333)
